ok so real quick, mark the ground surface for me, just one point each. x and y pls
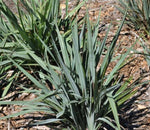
(136, 116)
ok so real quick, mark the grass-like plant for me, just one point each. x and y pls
(138, 13)
(82, 95)
(32, 17)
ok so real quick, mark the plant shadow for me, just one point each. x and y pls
(133, 117)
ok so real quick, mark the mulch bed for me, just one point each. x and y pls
(136, 116)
